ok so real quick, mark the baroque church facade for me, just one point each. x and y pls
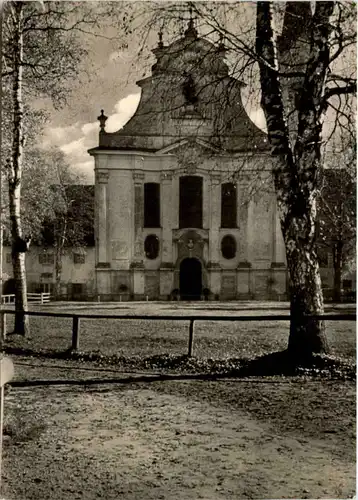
(184, 204)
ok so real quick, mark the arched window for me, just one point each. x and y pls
(151, 204)
(228, 205)
(151, 246)
(228, 247)
(191, 201)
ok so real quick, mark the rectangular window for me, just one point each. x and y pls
(46, 276)
(46, 258)
(191, 201)
(79, 258)
(8, 258)
(151, 204)
(46, 287)
(228, 205)
(78, 289)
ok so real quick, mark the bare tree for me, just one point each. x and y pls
(336, 228)
(69, 217)
(305, 68)
(41, 54)
(298, 166)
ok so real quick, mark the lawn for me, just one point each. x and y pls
(213, 339)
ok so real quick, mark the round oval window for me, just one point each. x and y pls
(228, 247)
(151, 246)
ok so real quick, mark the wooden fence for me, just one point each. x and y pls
(36, 298)
(76, 321)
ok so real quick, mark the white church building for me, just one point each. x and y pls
(184, 204)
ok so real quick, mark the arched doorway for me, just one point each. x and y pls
(190, 279)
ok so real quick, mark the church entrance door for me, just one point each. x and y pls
(190, 279)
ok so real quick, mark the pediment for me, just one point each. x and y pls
(199, 145)
(190, 153)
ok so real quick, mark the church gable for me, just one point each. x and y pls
(189, 94)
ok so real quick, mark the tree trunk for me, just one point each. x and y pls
(58, 271)
(295, 178)
(15, 173)
(61, 235)
(307, 335)
(337, 267)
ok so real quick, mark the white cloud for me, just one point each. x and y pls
(76, 139)
(74, 148)
(86, 170)
(258, 117)
(124, 110)
(59, 135)
(88, 128)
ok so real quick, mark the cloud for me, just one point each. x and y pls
(74, 148)
(76, 139)
(124, 110)
(88, 128)
(258, 117)
(59, 135)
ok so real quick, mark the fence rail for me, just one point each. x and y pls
(8, 299)
(76, 319)
(37, 298)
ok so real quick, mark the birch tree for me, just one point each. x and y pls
(305, 68)
(298, 166)
(41, 55)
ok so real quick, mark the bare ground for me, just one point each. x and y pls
(270, 438)
(190, 439)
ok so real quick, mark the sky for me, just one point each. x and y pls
(106, 81)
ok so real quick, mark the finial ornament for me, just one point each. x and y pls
(102, 118)
(191, 31)
(221, 45)
(160, 36)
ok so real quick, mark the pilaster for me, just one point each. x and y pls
(206, 202)
(215, 217)
(250, 230)
(102, 177)
(167, 209)
(243, 221)
(138, 179)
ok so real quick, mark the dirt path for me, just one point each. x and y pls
(183, 440)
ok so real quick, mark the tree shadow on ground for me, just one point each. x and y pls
(170, 367)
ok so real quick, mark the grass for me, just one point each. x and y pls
(238, 349)
(213, 339)
(144, 338)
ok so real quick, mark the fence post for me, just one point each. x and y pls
(75, 333)
(191, 338)
(3, 326)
